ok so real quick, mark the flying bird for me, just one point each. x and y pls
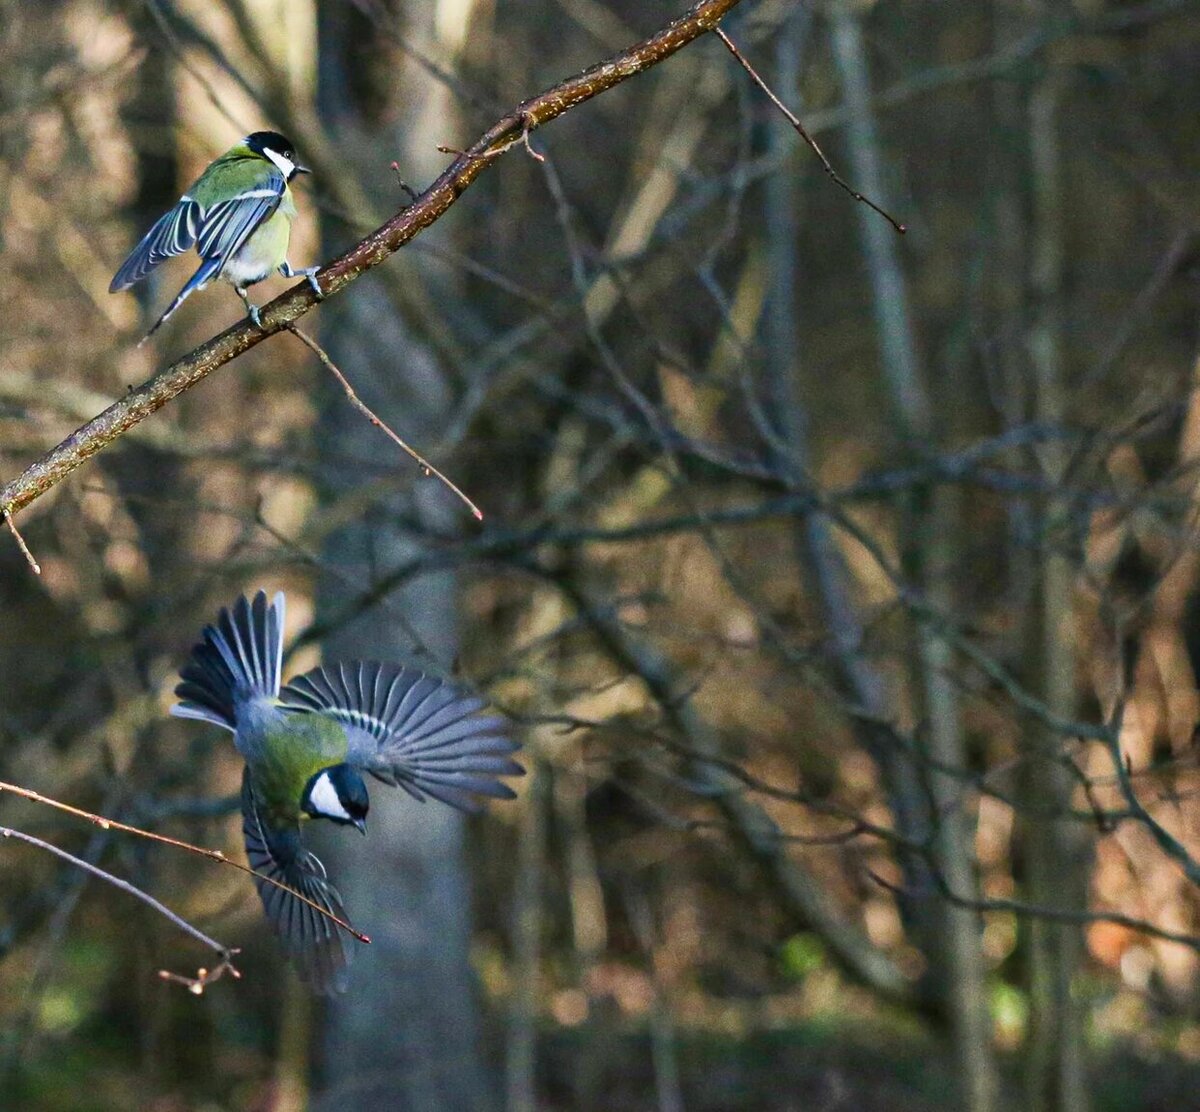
(307, 746)
(238, 215)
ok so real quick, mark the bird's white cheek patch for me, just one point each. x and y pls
(285, 164)
(324, 799)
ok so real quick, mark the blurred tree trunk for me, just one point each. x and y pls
(1055, 847)
(828, 578)
(527, 929)
(861, 682)
(949, 936)
(405, 1036)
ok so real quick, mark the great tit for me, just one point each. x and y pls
(306, 747)
(238, 215)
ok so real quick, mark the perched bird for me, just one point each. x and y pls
(238, 215)
(306, 747)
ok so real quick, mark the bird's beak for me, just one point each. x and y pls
(301, 170)
(362, 825)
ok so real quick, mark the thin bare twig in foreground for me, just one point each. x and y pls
(204, 977)
(794, 120)
(211, 854)
(138, 404)
(6, 513)
(375, 419)
(523, 138)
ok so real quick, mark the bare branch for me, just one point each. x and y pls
(753, 826)
(1039, 911)
(203, 978)
(795, 121)
(375, 419)
(34, 566)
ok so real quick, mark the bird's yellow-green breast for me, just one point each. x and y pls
(266, 248)
(297, 747)
(270, 240)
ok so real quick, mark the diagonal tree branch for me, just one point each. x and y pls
(184, 373)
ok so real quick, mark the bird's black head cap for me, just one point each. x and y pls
(278, 149)
(262, 141)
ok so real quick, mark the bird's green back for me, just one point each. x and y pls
(239, 169)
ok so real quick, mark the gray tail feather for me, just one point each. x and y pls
(238, 660)
(197, 281)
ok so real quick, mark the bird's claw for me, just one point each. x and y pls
(311, 276)
(251, 309)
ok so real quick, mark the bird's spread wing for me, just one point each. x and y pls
(217, 231)
(313, 942)
(409, 729)
(173, 233)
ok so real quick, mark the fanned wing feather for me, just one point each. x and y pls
(411, 730)
(237, 661)
(173, 233)
(314, 944)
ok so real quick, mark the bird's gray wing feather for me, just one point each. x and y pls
(173, 233)
(314, 943)
(218, 231)
(412, 730)
(226, 226)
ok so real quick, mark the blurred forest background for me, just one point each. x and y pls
(844, 586)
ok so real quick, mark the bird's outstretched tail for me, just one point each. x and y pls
(207, 271)
(237, 661)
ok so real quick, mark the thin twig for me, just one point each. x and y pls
(211, 854)
(413, 195)
(7, 514)
(794, 120)
(374, 418)
(203, 978)
(1167, 842)
(224, 953)
(537, 156)
(497, 148)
